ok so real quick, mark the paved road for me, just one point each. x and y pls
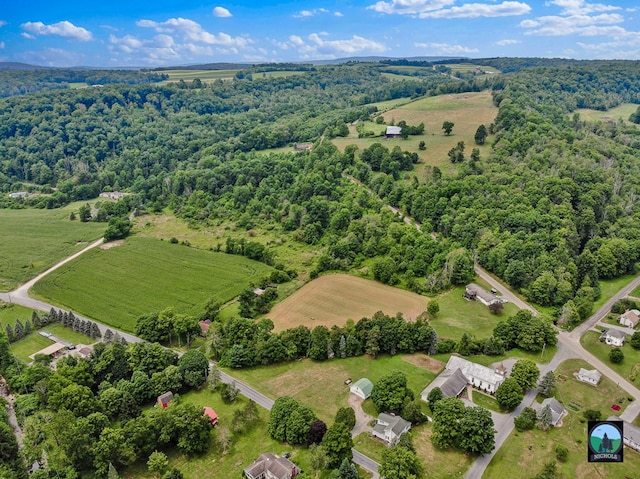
(21, 296)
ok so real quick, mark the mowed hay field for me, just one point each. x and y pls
(32, 240)
(333, 299)
(466, 110)
(143, 275)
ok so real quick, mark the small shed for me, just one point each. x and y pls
(394, 132)
(165, 399)
(362, 388)
(211, 414)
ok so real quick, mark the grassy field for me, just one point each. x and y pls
(117, 285)
(203, 75)
(530, 450)
(457, 316)
(621, 112)
(467, 111)
(629, 368)
(611, 287)
(486, 401)
(320, 385)
(10, 312)
(333, 299)
(470, 67)
(32, 240)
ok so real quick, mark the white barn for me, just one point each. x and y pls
(362, 388)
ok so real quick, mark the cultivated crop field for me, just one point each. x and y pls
(333, 299)
(32, 240)
(143, 275)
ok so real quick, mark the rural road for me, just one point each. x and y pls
(504, 290)
(21, 296)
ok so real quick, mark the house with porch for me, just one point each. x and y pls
(613, 337)
(390, 427)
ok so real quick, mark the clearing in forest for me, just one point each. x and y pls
(333, 299)
(116, 286)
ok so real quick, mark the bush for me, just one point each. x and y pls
(562, 453)
(592, 415)
(616, 356)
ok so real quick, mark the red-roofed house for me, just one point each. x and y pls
(204, 327)
(211, 414)
(629, 318)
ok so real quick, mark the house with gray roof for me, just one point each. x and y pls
(557, 410)
(475, 292)
(271, 466)
(393, 132)
(362, 388)
(630, 433)
(589, 376)
(613, 337)
(390, 427)
(479, 376)
(455, 384)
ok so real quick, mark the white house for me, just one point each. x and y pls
(479, 376)
(613, 337)
(389, 428)
(630, 434)
(588, 376)
(557, 410)
(629, 318)
(362, 388)
(475, 292)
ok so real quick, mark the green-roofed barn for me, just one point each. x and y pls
(362, 388)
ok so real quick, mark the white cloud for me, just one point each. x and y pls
(476, 10)
(314, 12)
(2, 23)
(410, 7)
(338, 14)
(1, 45)
(315, 46)
(64, 29)
(26, 35)
(150, 51)
(507, 41)
(192, 31)
(581, 7)
(445, 48)
(574, 24)
(221, 12)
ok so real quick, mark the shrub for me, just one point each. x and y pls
(616, 356)
(562, 452)
(592, 415)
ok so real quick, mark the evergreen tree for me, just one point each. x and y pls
(108, 336)
(27, 327)
(10, 335)
(547, 384)
(95, 331)
(35, 320)
(343, 347)
(18, 330)
(545, 418)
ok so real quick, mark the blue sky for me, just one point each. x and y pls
(180, 32)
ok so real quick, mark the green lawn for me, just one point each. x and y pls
(9, 312)
(486, 401)
(32, 240)
(143, 275)
(369, 446)
(610, 287)
(67, 334)
(457, 316)
(34, 342)
(320, 385)
(629, 368)
(529, 451)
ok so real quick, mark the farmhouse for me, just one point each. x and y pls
(394, 132)
(630, 434)
(613, 337)
(271, 466)
(479, 376)
(557, 411)
(211, 414)
(362, 388)
(588, 376)
(165, 399)
(474, 292)
(629, 318)
(389, 428)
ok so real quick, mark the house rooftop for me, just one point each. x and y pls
(590, 373)
(272, 466)
(388, 421)
(454, 384)
(557, 409)
(364, 385)
(482, 293)
(475, 370)
(394, 130)
(615, 333)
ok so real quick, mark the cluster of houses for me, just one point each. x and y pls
(616, 337)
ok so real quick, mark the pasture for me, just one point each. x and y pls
(33, 240)
(621, 112)
(530, 450)
(320, 385)
(9, 312)
(117, 285)
(466, 110)
(333, 299)
(204, 75)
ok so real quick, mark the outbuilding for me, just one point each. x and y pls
(362, 388)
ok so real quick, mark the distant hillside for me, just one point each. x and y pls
(19, 66)
(374, 59)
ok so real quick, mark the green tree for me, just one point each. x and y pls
(545, 418)
(347, 470)
(634, 341)
(477, 435)
(298, 424)
(337, 443)
(400, 463)
(481, 135)
(319, 459)
(434, 396)
(447, 126)
(547, 385)
(526, 373)
(616, 356)
(389, 392)
(347, 416)
(433, 308)
(526, 420)
(157, 463)
(562, 453)
(509, 394)
(112, 448)
(193, 366)
(282, 408)
(447, 414)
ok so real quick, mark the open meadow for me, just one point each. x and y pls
(530, 450)
(9, 312)
(334, 298)
(33, 240)
(320, 385)
(621, 112)
(203, 75)
(143, 275)
(466, 110)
